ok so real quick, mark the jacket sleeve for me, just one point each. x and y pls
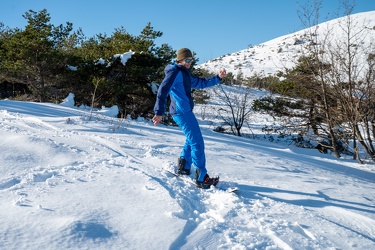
(201, 83)
(163, 91)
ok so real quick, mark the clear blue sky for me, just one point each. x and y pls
(209, 28)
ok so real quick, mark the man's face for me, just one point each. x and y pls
(187, 62)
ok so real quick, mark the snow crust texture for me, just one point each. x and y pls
(67, 182)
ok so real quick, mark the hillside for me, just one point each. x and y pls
(270, 57)
(68, 182)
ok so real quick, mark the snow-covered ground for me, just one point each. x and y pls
(70, 182)
(276, 55)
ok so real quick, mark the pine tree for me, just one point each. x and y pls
(32, 55)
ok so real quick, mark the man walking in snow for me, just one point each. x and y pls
(178, 83)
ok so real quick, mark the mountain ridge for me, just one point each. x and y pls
(282, 52)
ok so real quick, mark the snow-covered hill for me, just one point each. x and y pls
(270, 57)
(67, 182)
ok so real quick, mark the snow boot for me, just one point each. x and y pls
(181, 162)
(207, 181)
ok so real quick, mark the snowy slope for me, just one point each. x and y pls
(68, 182)
(275, 55)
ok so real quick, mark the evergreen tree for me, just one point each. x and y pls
(53, 60)
(32, 56)
(127, 86)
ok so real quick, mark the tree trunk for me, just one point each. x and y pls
(363, 143)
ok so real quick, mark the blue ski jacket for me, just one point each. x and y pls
(178, 83)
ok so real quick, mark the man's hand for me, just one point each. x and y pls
(222, 73)
(156, 119)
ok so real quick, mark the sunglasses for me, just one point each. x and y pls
(189, 60)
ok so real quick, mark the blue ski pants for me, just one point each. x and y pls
(193, 150)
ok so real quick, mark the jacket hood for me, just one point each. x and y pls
(174, 66)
